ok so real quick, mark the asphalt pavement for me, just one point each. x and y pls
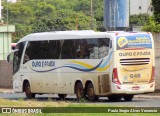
(155, 95)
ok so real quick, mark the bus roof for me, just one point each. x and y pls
(59, 35)
(74, 34)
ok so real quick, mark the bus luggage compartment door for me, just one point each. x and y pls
(103, 84)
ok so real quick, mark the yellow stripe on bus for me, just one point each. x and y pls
(83, 64)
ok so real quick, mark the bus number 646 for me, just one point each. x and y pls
(135, 75)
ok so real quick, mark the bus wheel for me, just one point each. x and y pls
(62, 96)
(90, 93)
(114, 98)
(79, 91)
(128, 97)
(28, 92)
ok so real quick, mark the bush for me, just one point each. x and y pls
(152, 26)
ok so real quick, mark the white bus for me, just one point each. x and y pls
(86, 63)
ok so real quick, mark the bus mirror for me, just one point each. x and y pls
(8, 58)
(11, 55)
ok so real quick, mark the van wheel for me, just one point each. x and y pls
(62, 96)
(90, 93)
(128, 97)
(114, 98)
(79, 91)
(28, 92)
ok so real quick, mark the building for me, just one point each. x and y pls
(140, 7)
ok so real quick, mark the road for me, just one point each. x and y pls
(136, 102)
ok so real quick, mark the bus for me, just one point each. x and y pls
(89, 64)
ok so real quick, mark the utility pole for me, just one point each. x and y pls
(0, 10)
(76, 23)
(92, 15)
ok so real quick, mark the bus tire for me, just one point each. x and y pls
(128, 97)
(62, 96)
(27, 90)
(79, 91)
(114, 98)
(90, 93)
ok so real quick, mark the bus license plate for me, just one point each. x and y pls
(135, 75)
(135, 87)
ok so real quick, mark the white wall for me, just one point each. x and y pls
(136, 4)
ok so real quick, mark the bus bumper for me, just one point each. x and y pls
(133, 89)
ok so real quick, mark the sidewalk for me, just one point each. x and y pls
(155, 95)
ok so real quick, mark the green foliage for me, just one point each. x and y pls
(30, 16)
(150, 23)
(152, 26)
(156, 6)
(139, 20)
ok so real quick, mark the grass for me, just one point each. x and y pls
(31, 103)
(72, 105)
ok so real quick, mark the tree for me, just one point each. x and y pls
(138, 20)
(152, 26)
(18, 15)
(156, 6)
(32, 16)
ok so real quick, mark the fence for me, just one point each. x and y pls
(5, 74)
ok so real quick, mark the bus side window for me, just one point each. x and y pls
(84, 47)
(102, 47)
(77, 46)
(54, 49)
(68, 50)
(27, 53)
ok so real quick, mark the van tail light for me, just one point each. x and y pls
(115, 77)
(153, 75)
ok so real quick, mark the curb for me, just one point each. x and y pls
(147, 97)
(6, 91)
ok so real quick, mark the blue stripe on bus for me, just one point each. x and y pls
(82, 68)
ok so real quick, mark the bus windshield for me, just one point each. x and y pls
(134, 41)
